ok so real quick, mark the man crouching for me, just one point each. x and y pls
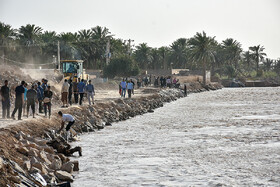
(66, 118)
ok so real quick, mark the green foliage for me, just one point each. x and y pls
(123, 66)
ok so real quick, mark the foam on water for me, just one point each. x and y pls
(227, 137)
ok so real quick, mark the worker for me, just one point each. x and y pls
(66, 118)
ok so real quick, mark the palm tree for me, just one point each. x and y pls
(49, 44)
(87, 47)
(101, 35)
(7, 34)
(267, 63)
(68, 46)
(178, 53)
(155, 59)
(29, 36)
(258, 54)
(143, 55)
(202, 50)
(232, 51)
(163, 55)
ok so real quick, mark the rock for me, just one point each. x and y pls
(48, 149)
(33, 152)
(1, 163)
(44, 157)
(63, 158)
(108, 124)
(33, 160)
(34, 170)
(49, 179)
(20, 135)
(33, 145)
(76, 165)
(17, 167)
(27, 165)
(64, 176)
(150, 111)
(67, 167)
(14, 179)
(42, 167)
(23, 150)
(25, 142)
(56, 164)
(42, 142)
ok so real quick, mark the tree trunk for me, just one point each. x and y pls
(204, 73)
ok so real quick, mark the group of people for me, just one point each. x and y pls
(162, 81)
(126, 85)
(79, 88)
(166, 82)
(36, 96)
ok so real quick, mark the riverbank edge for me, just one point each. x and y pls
(26, 150)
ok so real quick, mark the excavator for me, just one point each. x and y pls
(73, 69)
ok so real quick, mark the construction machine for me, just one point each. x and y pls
(73, 69)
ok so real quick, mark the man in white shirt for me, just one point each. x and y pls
(66, 118)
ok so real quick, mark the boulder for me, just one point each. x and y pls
(67, 167)
(33, 152)
(44, 157)
(64, 176)
(76, 165)
(42, 167)
(63, 158)
(20, 135)
(23, 150)
(55, 165)
(27, 165)
(49, 179)
(33, 160)
(25, 142)
(48, 149)
(17, 167)
(33, 145)
(1, 163)
(14, 179)
(42, 142)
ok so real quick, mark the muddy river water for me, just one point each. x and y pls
(229, 137)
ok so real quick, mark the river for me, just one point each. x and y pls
(229, 137)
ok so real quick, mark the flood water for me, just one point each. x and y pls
(229, 137)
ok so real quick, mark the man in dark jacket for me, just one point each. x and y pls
(31, 99)
(76, 92)
(70, 91)
(5, 94)
(47, 101)
(19, 100)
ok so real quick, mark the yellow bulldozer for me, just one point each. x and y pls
(73, 69)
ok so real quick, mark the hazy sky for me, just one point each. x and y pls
(156, 22)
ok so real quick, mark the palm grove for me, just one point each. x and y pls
(227, 59)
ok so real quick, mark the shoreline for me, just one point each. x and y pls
(24, 149)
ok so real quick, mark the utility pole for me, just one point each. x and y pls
(58, 55)
(108, 54)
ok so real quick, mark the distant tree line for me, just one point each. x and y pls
(227, 59)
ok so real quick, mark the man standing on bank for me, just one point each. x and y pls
(19, 100)
(66, 118)
(90, 92)
(64, 93)
(5, 94)
(81, 89)
(31, 96)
